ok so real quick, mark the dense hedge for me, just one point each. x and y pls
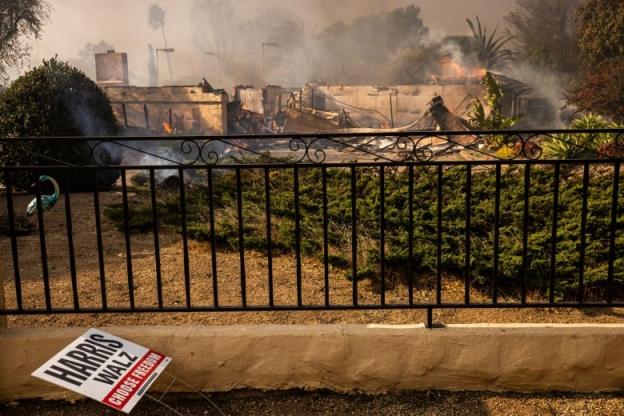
(54, 100)
(425, 221)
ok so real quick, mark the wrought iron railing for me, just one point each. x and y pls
(378, 146)
(403, 210)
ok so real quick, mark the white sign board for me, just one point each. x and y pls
(105, 368)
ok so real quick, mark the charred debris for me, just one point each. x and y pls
(441, 103)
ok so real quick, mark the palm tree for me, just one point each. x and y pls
(491, 54)
(156, 20)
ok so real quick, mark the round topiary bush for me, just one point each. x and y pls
(55, 100)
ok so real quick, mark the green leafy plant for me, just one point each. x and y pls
(423, 258)
(52, 100)
(479, 118)
(580, 145)
(599, 85)
(490, 54)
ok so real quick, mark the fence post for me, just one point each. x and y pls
(3, 318)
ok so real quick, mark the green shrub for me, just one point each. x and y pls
(54, 100)
(424, 258)
(581, 145)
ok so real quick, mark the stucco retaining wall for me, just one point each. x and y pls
(347, 358)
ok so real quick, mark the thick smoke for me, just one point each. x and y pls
(548, 85)
(85, 60)
(247, 24)
(319, 41)
(278, 46)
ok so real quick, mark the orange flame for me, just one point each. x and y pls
(167, 129)
(480, 72)
(451, 71)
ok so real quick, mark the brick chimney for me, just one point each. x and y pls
(111, 69)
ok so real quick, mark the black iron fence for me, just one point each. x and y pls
(420, 220)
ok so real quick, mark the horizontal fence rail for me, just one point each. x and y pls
(379, 147)
(419, 220)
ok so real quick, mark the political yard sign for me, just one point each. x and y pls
(105, 368)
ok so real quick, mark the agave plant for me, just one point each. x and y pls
(581, 145)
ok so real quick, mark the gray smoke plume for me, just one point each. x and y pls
(240, 27)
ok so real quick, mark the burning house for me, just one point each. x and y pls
(401, 105)
(389, 106)
(172, 109)
(440, 102)
(190, 109)
(253, 109)
(317, 108)
(250, 98)
(449, 91)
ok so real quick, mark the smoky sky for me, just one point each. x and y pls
(124, 24)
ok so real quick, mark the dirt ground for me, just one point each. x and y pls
(228, 276)
(328, 404)
(286, 403)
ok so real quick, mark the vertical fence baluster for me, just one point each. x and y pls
(98, 235)
(325, 236)
(354, 250)
(525, 234)
(70, 243)
(297, 235)
(125, 114)
(613, 229)
(473, 172)
(185, 248)
(585, 196)
(382, 234)
(439, 238)
(497, 204)
(159, 291)
(241, 237)
(42, 244)
(429, 323)
(14, 246)
(124, 191)
(467, 272)
(146, 114)
(554, 238)
(410, 234)
(213, 241)
(267, 199)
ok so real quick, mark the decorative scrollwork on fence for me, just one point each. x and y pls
(208, 156)
(310, 154)
(379, 147)
(531, 148)
(407, 146)
(421, 153)
(191, 150)
(99, 154)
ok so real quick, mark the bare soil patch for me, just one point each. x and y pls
(228, 277)
(320, 404)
